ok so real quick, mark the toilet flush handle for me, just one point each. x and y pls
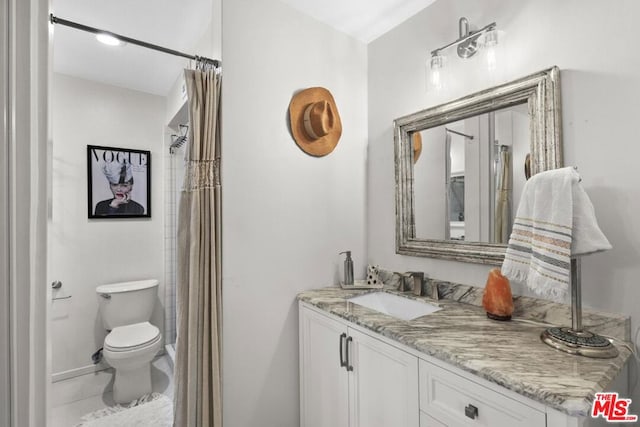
(105, 296)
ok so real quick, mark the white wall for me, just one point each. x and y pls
(286, 215)
(85, 253)
(512, 129)
(208, 45)
(475, 170)
(588, 40)
(429, 186)
(457, 155)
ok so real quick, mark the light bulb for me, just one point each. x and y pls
(436, 65)
(108, 39)
(435, 79)
(491, 58)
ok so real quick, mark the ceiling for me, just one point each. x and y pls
(161, 22)
(365, 20)
(164, 23)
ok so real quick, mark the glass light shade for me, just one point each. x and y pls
(436, 64)
(489, 43)
(490, 38)
(437, 61)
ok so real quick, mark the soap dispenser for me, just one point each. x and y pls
(348, 268)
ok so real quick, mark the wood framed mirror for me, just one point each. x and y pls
(458, 199)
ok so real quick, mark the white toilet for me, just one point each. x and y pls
(132, 341)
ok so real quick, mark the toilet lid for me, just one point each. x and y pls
(130, 336)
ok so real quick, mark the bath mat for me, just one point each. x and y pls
(153, 410)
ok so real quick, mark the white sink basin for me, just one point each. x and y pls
(393, 305)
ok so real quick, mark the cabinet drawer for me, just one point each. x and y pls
(457, 401)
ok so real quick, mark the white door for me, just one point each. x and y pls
(383, 384)
(324, 396)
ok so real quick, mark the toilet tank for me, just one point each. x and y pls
(127, 302)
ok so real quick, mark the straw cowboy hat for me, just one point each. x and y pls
(417, 145)
(315, 121)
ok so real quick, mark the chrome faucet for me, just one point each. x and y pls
(412, 280)
(434, 294)
(403, 286)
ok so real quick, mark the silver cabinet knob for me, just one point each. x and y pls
(471, 411)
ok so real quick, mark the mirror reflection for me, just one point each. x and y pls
(469, 177)
(460, 167)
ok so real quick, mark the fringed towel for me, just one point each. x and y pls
(554, 222)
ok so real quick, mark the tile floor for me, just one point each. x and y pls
(79, 396)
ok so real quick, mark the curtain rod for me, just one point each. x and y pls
(57, 20)
(459, 133)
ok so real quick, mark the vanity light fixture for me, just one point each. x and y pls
(467, 45)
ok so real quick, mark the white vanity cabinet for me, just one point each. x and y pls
(351, 379)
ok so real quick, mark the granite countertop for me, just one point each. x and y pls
(509, 354)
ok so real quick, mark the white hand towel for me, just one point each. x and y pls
(554, 222)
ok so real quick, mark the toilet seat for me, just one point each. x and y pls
(132, 337)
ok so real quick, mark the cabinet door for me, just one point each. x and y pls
(324, 384)
(427, 421)
(383, 384)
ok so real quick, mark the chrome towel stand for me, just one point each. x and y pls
(576, 340)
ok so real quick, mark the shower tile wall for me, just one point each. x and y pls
(174, 175)
(173, 178)
(170, 248)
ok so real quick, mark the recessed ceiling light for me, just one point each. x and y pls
(108, 39)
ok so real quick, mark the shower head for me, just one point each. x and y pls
(178, 140)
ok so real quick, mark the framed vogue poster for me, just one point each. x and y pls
(119, 182)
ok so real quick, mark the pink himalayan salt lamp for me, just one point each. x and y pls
(497, 299)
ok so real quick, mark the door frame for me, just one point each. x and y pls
(24, 301)
(5, 361)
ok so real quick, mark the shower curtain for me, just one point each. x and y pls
(197, 393)
(502, 225)
(447, 185)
